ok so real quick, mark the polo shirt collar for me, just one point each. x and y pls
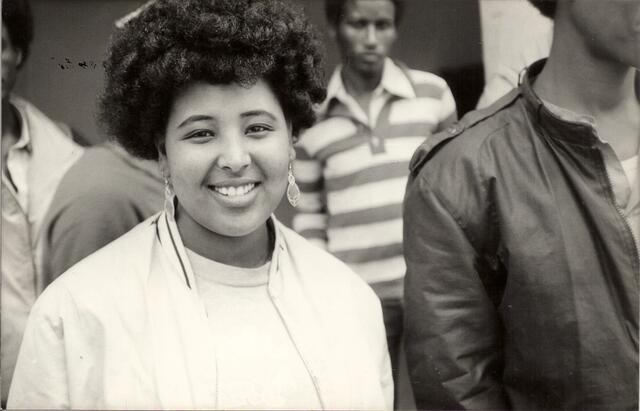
(394, 81)
(24, 142)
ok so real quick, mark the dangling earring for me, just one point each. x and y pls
(169, 207)
(293, 192)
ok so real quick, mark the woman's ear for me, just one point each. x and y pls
(293, 139)
(292, 153)
(162, 159)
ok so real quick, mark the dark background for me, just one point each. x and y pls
(63, 74)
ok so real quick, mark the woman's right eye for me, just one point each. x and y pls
(200, 136)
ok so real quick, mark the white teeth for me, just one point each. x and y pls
(231, 191)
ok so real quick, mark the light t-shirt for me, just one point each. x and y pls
(258, 366)
(623, 174)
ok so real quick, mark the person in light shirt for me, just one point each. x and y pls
(211, 303)
(352, 165)
(36, 153)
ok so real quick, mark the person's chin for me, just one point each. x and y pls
(240, 226)
(370, 66)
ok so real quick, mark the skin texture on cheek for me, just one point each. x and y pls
(615, 40)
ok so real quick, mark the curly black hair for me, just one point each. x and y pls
(546, 7)
(334, 10)
(18, 19)
(173, 43)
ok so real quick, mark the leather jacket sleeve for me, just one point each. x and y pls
(452, 328)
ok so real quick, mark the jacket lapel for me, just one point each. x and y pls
(289, 297)
(183, 345)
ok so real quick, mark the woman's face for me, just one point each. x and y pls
(228, 150)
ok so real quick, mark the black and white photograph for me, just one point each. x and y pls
(320, 205)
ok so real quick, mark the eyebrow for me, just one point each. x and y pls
(194, 118)
(258, 113)
(204, 117)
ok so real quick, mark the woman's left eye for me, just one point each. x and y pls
(258, 129)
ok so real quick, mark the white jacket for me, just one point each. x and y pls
(51, 152)
(125, 328)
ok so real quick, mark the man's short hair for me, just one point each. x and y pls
(546, 7)
(334, 10)
(17, 18)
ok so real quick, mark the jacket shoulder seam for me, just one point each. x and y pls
(447, 205)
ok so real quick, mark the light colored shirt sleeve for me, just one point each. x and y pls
(503, 81)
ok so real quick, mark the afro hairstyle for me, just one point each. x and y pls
(334, 10)
(17, 18)
(546, 7)
(173, 43)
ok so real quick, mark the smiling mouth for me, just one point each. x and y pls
(234, 191)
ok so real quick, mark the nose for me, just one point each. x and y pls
(234, 156)
(371, 35)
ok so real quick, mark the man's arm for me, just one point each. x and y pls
(310, 220)
(452, 328)
(85, 225)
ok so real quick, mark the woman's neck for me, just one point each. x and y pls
(251, 250)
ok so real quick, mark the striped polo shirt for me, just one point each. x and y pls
(352, 167)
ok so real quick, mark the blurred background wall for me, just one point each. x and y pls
(508, 27)
(64, 72)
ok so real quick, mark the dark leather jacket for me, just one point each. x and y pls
(522, 283)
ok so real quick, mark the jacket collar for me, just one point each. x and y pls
(24, 142)
(169, 237)
(574, 132)
(287, 294)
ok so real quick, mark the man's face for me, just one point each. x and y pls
(11, 59)
(610, 27)
(365, 34)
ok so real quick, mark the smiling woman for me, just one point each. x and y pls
(227, 151)
(211, 303)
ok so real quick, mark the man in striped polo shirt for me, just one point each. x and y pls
(352, 166)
